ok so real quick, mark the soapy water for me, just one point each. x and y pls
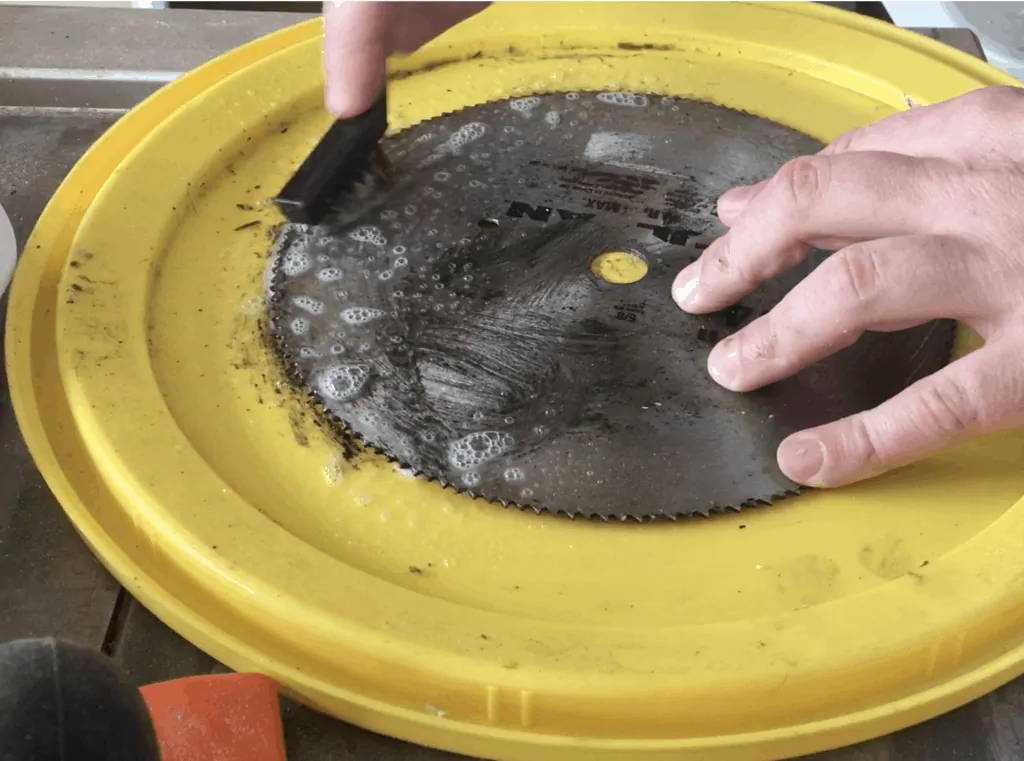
(295, 263)
(474, 450)
(631, 99)
(513, 474)
(329, 275)
(299, 326)
(309, 304)
(341, 382)
(375, 428)
(524, 106)
(464, 136)
(369, 234)
(361, 315)
(471, 479)
(552, 118)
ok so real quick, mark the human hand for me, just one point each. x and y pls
(923, 210)
(358, 36)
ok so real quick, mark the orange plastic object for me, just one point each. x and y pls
(226, 717)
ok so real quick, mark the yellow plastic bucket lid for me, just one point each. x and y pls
(150, 401)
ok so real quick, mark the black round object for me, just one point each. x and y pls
(452, 320)
(64, 702)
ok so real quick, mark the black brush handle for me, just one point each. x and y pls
(339, 159)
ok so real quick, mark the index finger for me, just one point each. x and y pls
(856, 196)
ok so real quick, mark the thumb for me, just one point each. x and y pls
(355, 35)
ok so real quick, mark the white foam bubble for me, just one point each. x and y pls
(369, 234)
(299, 326)
(329, 275)
(384, 275)
(441, 176)
(295, 263)
(341, 382)
(398, 250)
(465, 135)
(514, 474)
(524, 105)
(401, 261)
(631, 99)
(572, 96)
(552, 118)
(474, 450)
(472, 478)
(309, 304)
(337, 349)
(307, 352)
(360, 315)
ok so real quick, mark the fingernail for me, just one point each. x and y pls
(724, 363)
(685, 286)
(801, 458)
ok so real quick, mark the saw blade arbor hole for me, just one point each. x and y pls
(619, 267)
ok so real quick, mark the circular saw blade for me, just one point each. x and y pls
(453, 320)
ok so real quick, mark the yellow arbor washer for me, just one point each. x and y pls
(148, 391)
